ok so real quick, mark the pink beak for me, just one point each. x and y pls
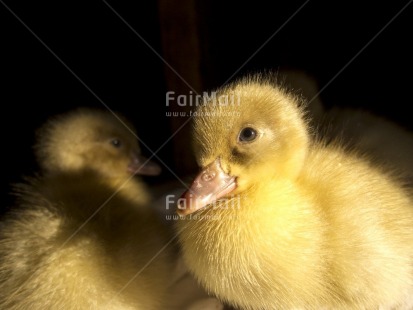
(209, 186)
(142, 166)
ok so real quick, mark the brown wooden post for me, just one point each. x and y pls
(181, 50)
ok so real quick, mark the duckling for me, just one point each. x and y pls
(383, 141)
(277, 220)
(98, 141)
(81, 236)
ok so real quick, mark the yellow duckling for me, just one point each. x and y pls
(80, 236)
(277, 221)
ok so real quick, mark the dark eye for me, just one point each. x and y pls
(247, 134)
(116, 143)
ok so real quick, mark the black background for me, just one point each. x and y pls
(126, 75)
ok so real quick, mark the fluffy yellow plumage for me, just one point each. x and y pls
(284, 222)
(81, 236)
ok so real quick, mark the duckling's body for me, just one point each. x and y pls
(81, 236)
(293, 224)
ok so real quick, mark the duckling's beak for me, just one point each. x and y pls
(142, 166)
(209, 186)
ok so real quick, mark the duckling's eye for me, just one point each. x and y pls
(247, 134)
(116, 143)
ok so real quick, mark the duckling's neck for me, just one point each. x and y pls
(124, 186)
(131, 188)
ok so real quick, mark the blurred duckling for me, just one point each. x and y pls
(383, 141)
(97, 141)
(277, 221)
(81, 236)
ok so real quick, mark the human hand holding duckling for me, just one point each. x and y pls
(285, 222)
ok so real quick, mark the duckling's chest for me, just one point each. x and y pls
(252, 232)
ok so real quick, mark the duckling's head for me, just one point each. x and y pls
(250, 132)
(93, 140)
